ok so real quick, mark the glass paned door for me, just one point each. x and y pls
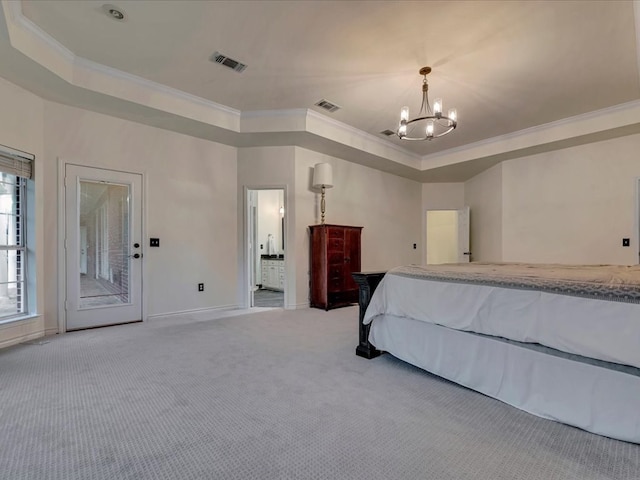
(104, 219)
(103, 247)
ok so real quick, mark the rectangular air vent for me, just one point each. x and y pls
(388, 132)
(217, 57)
(331, 107)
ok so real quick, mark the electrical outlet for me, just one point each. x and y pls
(415, 245)
(154, 242)
(626, 242)
(201, 287)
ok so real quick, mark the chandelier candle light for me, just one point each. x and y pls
(322, 178)
(435, 123)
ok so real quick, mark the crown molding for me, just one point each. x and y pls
(583, 124)
(292, 112)
(41, 48)
(28, 38)
(363, 135)
(153, 86)
(36, 44)
(323, 119)
(15, 18)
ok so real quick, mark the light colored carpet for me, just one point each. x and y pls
(273, 395)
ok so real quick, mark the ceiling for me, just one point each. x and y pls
(507, 66)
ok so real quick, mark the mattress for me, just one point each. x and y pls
(592, 311)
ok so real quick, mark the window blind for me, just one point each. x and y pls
(16, 163)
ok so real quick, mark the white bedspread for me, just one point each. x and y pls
(601, 329)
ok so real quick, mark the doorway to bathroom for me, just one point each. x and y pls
(266, 247)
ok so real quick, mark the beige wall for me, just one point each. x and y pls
(190, 204)
(387, 206)
(442, 196)
(573, 205)
(483, 195)
(568, 206)
(21, 128)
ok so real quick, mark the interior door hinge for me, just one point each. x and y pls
(66, 305)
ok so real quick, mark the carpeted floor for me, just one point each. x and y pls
(271, 395)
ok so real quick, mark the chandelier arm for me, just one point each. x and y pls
(450, 127)
(425, 107)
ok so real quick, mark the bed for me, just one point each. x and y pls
(561, 342)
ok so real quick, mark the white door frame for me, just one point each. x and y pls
(246, 249)
(635, 243)
(61, 226)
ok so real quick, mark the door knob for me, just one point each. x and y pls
(136, 245)
(135, 255)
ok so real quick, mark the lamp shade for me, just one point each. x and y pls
(322, 175)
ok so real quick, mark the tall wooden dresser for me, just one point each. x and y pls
(335, 254)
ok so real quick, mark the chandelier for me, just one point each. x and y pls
(429, 124)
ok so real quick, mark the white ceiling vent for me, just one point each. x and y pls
(331, 107)
(217, 57)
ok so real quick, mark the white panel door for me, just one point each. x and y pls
(464, 254)
(103, 269)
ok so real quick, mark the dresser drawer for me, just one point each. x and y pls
(335, 284)
(335, 233)
(335, 244)
(335, 271)
(335, 258)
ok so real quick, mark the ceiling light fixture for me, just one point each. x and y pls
(435, 123)
(114, 12)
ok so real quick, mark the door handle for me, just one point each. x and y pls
(135, 255)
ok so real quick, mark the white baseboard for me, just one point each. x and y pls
(297, 306)
(195, 314)
(19, 331)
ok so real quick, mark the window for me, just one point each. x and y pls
(14, 174)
